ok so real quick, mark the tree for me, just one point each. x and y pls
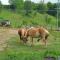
(18, 4)
(0, 6)
(52, 8)
(41, 8)
(27, 7)
(12, 7)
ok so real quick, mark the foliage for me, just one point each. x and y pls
(27, 7)
(18, 4)
(41, 8)
(0, 6)
(52, 8)
(18, 20)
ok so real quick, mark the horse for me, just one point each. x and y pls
(21, 33)
(40, 32)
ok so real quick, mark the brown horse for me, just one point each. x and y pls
(22, 33)
(37, 32)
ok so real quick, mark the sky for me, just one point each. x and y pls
(53, 1)
(5, 2)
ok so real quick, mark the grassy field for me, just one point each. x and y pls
(14, 50)
(18, 20)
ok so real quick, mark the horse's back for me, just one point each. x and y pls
(33, 32)
(37, 31)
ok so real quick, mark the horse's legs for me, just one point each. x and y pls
(20, 39)
(31, 41)
(44, 40)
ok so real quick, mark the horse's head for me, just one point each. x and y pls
(24, 39)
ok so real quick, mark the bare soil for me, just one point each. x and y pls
(5, 34)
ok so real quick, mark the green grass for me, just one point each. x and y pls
(18, 51)
(18, 20)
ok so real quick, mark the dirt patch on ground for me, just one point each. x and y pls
(5, 34)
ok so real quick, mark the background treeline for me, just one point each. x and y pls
(27, 7)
